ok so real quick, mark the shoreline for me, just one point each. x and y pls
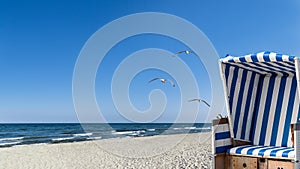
(169, 151)
(27, 134)
(92, 139)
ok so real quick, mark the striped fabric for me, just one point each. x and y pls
(262, 97)
(263, 151)
(221, 138)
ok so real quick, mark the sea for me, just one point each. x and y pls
(53, 133)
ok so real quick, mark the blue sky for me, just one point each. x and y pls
(41, 40)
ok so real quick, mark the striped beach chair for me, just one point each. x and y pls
(262, 101)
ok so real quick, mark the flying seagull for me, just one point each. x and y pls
(219, 116)
(184, 51)
(163, 81)
(199, 100)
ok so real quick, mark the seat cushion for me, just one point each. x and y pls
(263, 151)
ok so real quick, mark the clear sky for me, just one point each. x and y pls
(41, 40)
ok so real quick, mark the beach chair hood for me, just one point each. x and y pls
(261, 96)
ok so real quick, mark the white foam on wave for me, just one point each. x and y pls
(12, 138)
(150, 129)
(190, 128)
(82, 134)
(95, 138)
(123, 132)
(10, 143)
(63, 138)
(129, 132)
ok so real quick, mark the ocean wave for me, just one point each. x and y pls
(129, 132)
(122, 132)
(35, 137)
(62, 139)
(12, 138)
(82, 134)
(205, 128)
(151, 129)
(95, 138)
(9, 144)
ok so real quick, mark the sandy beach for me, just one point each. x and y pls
(162, 151)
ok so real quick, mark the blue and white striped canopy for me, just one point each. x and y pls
(262, 97)
(264, 63)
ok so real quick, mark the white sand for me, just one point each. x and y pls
(163, 151)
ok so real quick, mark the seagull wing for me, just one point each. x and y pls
(192, 100)
(205, 103)
(178, 53)
(200, 100)
(219, 116)
(153, 79)
(172, 83)
(192, 52)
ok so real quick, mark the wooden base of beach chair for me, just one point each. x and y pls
(221, 161)
(280, 164)
(262, 163)
(242, 162)
(238, 162)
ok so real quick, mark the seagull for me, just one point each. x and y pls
(163, 81)
(199, 100)
(184, 51)
(219, 116)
